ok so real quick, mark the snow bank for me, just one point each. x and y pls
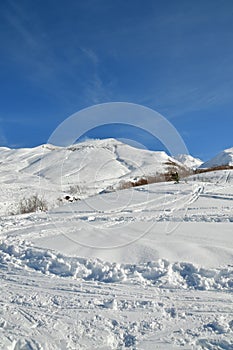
(160, 273)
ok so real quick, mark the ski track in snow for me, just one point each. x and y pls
(62, 313)
(52, 301)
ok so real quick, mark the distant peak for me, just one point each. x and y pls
(223, 158)
(189, 161)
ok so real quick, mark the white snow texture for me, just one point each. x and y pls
(148, 267)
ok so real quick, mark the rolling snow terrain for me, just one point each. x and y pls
(148, 267)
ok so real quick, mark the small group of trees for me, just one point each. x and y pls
(175, 177)
(149, 180)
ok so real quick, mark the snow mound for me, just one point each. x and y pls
(189, 161)
(223, 158)
(161, 273)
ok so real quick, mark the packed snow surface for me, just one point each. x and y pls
(149, 267)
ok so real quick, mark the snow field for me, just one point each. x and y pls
(145, 268)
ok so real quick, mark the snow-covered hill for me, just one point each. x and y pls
(104, 159)
(189, 161)
(84, 169)
(223, 158)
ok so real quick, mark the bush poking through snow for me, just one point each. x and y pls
(74, 189)
(32, 204)
(79, 190)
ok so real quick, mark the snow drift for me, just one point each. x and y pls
(160, 273)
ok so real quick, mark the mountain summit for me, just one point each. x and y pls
(223, 158)
(189, 161)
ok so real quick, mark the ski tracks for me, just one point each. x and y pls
(44, 313)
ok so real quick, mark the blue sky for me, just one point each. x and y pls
(174, 56)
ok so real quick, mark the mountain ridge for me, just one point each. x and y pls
(224, 157)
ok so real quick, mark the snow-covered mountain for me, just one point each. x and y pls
(189, 161)
(223, 158)
(94, 166)
(95, 160)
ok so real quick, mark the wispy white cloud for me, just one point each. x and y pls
(126, 43)
(16, 17)
(178, 98)
(92, 56)
(64, 74)
(96, 90)
(38, 54)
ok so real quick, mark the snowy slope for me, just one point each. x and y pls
(93, 165)
(145, 268)
(106, 159)
(164, 221)
(223, 158)
(150, 267)
(189, 161)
